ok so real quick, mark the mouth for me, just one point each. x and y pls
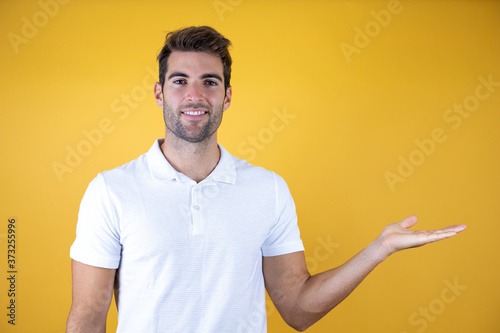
(194, 113)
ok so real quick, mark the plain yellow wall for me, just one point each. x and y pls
(371, 110)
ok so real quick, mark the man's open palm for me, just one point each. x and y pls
(397, 236)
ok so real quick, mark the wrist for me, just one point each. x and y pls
(378, 250)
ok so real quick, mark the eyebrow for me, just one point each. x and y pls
(204, 76)
(177, 74)
(211, 76)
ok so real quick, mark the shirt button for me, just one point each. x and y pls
(196, 207)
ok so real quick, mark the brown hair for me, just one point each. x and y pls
(198, 39)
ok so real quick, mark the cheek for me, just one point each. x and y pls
(173, 98)
(216, 99)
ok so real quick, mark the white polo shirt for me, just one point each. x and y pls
(189, 255)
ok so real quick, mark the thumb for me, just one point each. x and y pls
(408, 222)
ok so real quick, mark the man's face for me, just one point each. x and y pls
(193, 97)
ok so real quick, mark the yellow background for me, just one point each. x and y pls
(349, 124)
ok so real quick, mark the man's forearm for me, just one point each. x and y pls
(303, 299)
(323, 291)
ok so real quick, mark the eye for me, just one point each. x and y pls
(179, 81)
(211, 83)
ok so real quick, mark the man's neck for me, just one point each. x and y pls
(195, 160)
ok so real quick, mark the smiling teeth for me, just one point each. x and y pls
(194, 113)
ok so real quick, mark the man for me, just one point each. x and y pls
(189, 236)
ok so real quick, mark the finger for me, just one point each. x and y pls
(459, 228)
(456, 228)
(434, 237)
(408, 222)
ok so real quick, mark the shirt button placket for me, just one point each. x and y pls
(196, 210)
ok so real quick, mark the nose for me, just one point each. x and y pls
(194, 93)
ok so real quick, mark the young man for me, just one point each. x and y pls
(189, 236)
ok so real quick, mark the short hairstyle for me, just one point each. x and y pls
(197, 39)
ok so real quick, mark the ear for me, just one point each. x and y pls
(227, 99)
(158, 95)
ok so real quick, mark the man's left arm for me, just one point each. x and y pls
(302, 299)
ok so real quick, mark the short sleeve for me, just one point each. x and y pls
(284, 236)
(97, 240)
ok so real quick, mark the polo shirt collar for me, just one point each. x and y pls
(225, 171)
(160, 168)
